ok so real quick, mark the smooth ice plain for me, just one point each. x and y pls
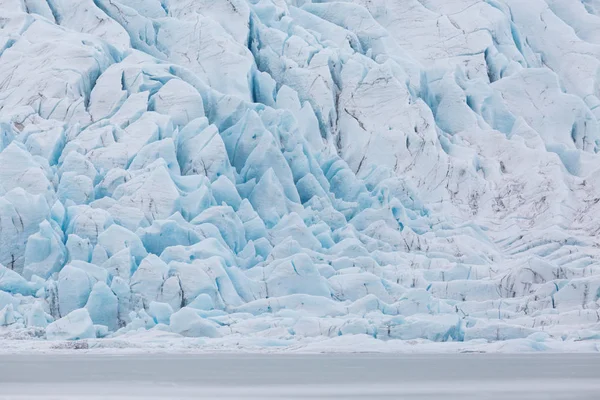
(318, 376)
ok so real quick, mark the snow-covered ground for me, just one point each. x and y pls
(269, 173)
(239, 376)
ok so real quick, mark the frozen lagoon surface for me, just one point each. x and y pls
(317, 376)
(256, 174)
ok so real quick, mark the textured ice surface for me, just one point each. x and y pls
(281, 170)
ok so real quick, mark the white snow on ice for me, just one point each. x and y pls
(299, 377)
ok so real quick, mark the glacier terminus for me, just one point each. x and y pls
(362, 175)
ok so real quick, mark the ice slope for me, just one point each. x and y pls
(270, 169)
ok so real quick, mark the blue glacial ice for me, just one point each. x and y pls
(293, 169)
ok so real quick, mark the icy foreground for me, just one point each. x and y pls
(281, 170)
(300, 377)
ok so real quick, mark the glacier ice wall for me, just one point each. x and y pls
(417, 169)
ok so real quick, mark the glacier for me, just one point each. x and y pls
(285, 171)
